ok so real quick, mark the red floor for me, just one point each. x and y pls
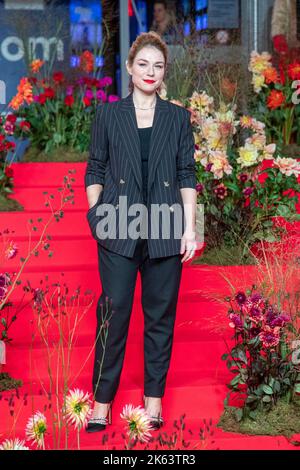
(196, 384)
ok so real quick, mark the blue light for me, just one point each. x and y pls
(201, 4)
(99, 61)
(142, 9)
(186, 28)
(74, 61)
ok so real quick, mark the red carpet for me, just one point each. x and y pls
(197, 376)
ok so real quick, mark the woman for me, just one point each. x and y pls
(142, 149)
(164, 23)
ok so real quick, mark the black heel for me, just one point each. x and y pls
(99, 424)
(156, 422)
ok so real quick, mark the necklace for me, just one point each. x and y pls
(145, 108)
(151, 107)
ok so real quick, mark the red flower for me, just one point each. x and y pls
(25, 125)
(275, 99)
(294, 71)
(49, 93)
(9, 128)
(86, 62)
(11, 118)
(32, 80)
(42, 98)
(9, 172)
(86, 101)
(69, 100)
(58, 77)
(9, 145)
(88, 81)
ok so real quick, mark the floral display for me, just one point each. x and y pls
(57, 111)
(242, 181)
(261, 358)
(276, 101)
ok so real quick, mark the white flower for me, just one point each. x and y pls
(138, 422)
(13, 444)
(78, 408)
(36, 428)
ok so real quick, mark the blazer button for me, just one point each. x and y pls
(117, 206)
(166, 183)
(171, 209)
(122, 181)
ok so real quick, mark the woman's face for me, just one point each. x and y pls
(148, 69)
(159, 12)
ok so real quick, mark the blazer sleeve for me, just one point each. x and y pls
(186, 165)
(98, 150)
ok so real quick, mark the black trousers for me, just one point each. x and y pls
(160, 282)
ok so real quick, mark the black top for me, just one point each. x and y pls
(145, 135)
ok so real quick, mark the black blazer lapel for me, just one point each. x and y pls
(126, 120)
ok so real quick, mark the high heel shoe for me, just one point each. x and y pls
(99, 424)
(156, 422)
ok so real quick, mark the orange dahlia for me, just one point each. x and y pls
(25, 89)
(271, 75)
(36, 65)
(24, 94)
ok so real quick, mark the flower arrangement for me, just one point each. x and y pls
(261, 358)
(59, 111)
(242, 183)
(8, 127)
(276, 98)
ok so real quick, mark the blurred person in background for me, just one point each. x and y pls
(164, 23)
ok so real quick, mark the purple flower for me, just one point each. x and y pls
(208, 167)
(254, 331)
(255, 298)
(248, 191)
(270, 315)
(80, 81)
(255, 314)
(280, 320)
(105, 81)
(3, 280)
(199, 188)
(89, 94)
(243, 178)
(3, 285)
(3, 291)
(112, 98)
(236, 321)
(69, 90)
(270, 338)
(36, 98)
(240, 298)
(101, 96)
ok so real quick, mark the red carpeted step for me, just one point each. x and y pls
(47, 173)
(33, 199)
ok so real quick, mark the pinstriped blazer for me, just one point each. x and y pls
(115, 162)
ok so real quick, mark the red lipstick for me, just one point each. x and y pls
(149, 81)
